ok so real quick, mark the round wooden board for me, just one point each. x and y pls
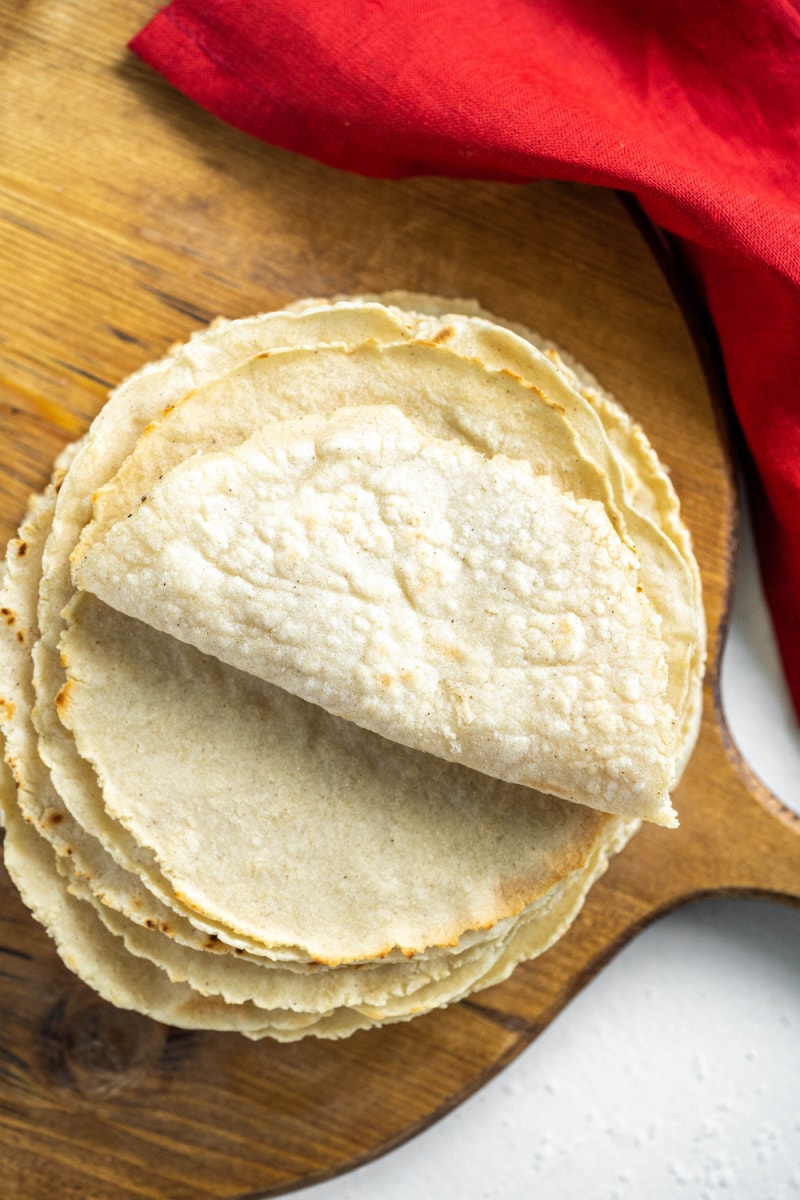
(128, 217)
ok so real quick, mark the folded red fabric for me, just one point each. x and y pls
(695, 108)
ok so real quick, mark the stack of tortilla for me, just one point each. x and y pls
(337, 660)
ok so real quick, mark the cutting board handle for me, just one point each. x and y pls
(756, 837)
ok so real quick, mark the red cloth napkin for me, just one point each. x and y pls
(694, 107)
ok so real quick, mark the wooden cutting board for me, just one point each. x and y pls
(128, 217)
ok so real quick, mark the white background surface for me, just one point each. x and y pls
(676, 1072)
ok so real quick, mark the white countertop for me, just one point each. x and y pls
(676, 1072)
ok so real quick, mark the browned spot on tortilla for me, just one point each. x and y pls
(166, 929)
(179, 896)
(63, 659)
(538, 392)
(52, 818)
(515, 892)
(20, 636)
(62, 699)
(386, 681)
(166, 411)
(8, 708)
(454, 652)
(7, 615)
(444, 334)
(150, 923)
(22, 549)
(264, 354)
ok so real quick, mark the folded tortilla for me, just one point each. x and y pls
(458, 604)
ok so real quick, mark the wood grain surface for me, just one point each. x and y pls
(128, 217)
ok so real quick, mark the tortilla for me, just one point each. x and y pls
(455, 598)
(237, 786)
(429, 879)
(129, 981)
